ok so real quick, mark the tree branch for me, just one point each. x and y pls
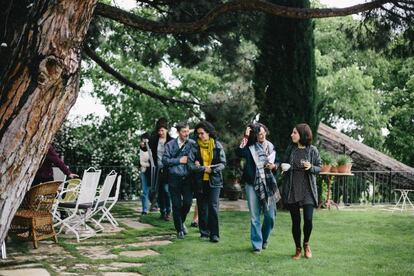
(201, 25)
(107, 68)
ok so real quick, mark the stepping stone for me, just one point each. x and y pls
(139, 253)
(25, 271)
(96, 252)
(116, 266)
(23, 266)
(157, 238)
(50, 249)
(134, 223)
(144, 244)
(120, 274)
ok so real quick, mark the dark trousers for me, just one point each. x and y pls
(307, 225)
(182, 198)
(208, 209)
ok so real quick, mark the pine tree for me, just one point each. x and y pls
(285, 80)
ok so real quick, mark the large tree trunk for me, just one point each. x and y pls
(39, 77)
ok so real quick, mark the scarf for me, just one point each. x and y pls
(206, 151)
(265, 183)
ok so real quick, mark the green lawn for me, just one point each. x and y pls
(370, 242)
(364, 242)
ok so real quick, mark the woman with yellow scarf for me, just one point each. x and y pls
(207, 160)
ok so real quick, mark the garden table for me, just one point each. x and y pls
(404, 197)
(329, 175)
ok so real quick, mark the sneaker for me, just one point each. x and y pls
(185, 230)
(204, 237)
(194, 224)
(144, 213)
(264, 246)
(167, 217)
(180, 235)
(257, 251)
(214, 238)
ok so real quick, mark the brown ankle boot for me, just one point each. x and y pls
(298, 253)
(307, 250)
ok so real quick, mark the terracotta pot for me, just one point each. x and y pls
(326, 168)
(349, 167)
(343, 168)
(334, 169)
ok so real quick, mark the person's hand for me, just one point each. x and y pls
(247, 131)
(197, 163)
(207, 170)
(184, 160)
(307, 165)
(270, 166)
(73, 175)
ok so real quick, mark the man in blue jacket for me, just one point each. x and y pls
(175, 159)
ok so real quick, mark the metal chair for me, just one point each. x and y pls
(111, 201)
(81, 206)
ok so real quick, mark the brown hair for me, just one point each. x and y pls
(305, 134)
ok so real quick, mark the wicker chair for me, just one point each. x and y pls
(33, 221)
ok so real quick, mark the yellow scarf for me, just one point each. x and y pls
(206, 150)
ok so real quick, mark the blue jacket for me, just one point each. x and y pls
(171, 157)
(219, 159)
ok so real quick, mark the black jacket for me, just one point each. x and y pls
(216, 176)
(249, 171)
(153, 144)
(314, 159)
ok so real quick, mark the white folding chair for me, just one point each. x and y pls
(111, 201)
(58, 174)
(80, 208)
(102, 198)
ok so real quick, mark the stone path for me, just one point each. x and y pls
(103, 255)
(100, 254)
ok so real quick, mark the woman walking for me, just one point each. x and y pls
(207, 159)
(301, 190)
(261, 188)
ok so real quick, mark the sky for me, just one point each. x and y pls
(86, 104)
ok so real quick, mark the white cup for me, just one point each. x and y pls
(285, 166)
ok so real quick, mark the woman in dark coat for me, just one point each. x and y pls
(207, 160)
(300, 189)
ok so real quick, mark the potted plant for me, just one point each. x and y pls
(334, 166)
(344, 163)
(327, 160)
(232, 179)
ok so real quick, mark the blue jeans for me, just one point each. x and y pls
(145, 191)
(259, 234)
(164, 199)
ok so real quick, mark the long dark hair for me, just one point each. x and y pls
(208, 127)
(255, 129)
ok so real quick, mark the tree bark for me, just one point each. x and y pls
(39, 80)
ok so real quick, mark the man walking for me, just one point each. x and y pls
(175, 159)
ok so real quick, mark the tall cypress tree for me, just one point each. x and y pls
(285, 80)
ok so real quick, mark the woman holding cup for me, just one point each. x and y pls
(301, 164)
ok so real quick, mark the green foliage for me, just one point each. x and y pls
(343, 160)
(326, 157)
(399, 104)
